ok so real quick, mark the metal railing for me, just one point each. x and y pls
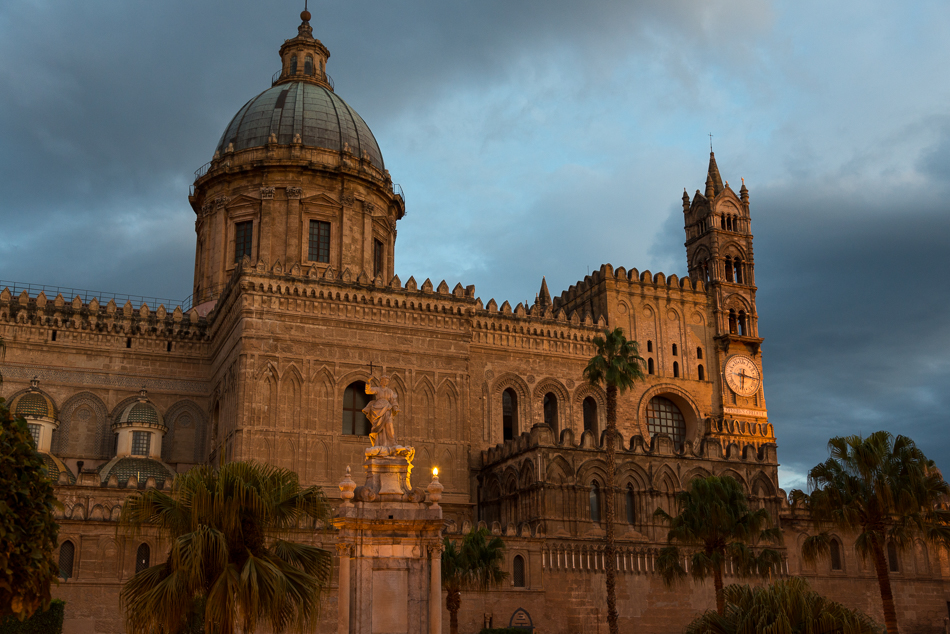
(201, 171)
(282, 75)
(86, 296)
(397, 189)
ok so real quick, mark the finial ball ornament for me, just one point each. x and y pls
(305, 16)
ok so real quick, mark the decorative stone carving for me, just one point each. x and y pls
(347, 486)
(294, 192)
(435, 489)
(267, 193)
(380, 413)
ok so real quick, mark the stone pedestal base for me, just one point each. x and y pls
(390, 546)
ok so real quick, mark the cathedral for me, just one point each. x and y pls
(297, 307)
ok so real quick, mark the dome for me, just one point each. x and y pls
(313, 111)
(140, 413)
(141, 468)
(54, 466)
(33, 404)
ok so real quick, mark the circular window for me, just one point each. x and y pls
(664, 417)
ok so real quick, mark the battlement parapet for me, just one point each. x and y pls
(633, 277)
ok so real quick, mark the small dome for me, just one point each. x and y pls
(33, 404)
(314, 112)
(54, 466)
(142, 412)
(141, 468)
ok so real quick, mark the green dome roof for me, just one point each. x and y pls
(54, 466)
(141, 468)
(314, 112)
(34, 404)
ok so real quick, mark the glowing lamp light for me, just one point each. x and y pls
(435, 471)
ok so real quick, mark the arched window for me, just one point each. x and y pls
(631, 508)
(892, 561)
(738, 266)
(293, 65)
(517, 571)
(742, 323)
(676, 369)
(509, 414)
(722, 221)
(308, 65)
(67, 552)
(590, 415)
(733, 323)
(550, 410)
(594, 502)
(355, 399)
(649, 346)
(675, 350)
(835, 549)
(650, 365)
(701, 372)
(664, 417)
(699, 353)
(142, 558)
(729, 268)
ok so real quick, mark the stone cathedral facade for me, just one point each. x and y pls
(297, 305)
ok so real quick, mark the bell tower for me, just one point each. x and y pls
(719, 253)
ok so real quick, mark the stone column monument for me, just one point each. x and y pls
(390, 536)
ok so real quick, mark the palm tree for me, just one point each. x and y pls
(789, 605)
(475, 565)
(884, 489)
(228, 567)
(715, 519)
(617, 365)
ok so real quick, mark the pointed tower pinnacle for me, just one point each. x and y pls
(712, 177)
(544, 296)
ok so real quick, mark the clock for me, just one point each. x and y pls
(742, 375)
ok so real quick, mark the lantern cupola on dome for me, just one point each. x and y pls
(42, 420)
(139, 430)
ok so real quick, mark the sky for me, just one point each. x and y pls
(538, 139)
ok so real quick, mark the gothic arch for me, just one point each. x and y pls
(559, 467)
(563, 397)
(322, 388)
(683, 400)
(290, 398)
(632, 473)
(737, 302)
(447, 467)
(526, 475)
(665, 480)
(737, 477)
(762, 485)
(593, 468)
(732, 249)
(577, 405)
(520, 388)
(447, 401)
(695, 473)
(84, 430)
(422, 414)
(187, 425)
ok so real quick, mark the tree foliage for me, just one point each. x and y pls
(789, 606)
(884, 489)
(475, 564)
(229, 566)
(617, 365)
(27, 530)
(715, 522)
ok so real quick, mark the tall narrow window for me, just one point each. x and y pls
(701, 372)
(738, 266)
(676, 369)
(742, 323)
(319, 246)
(67, 552)
(699, 353)
(308, 65)
(142, 558)
(517, 571)
(664, 417)
(649, 346)
(377, 258)
(590, 415)
(893, 563)
(594, 502)
(650, 365)
(35, 433)
(674, 350)
(835, 551)
(243, 239)
(550, 411)
(141, 442)
(509, 414)
(733, 323)
(631, 508)
(729, 269)
(355, 399)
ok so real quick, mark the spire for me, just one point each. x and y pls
(712, 177)
(544, 296)
(305, 30)
(685, 201)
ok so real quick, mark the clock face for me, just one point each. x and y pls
(742, 375)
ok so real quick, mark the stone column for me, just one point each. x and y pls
(343, 591)
(435, 589)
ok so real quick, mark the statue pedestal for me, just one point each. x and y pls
(390, 545)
